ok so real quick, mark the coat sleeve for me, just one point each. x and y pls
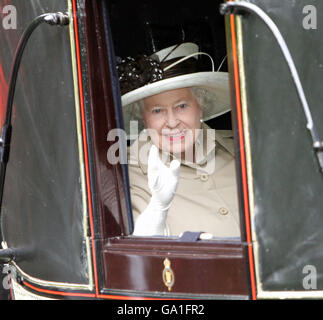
(139, 190)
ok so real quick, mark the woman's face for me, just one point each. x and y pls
(172, 119)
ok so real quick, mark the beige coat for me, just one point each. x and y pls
(205, 200)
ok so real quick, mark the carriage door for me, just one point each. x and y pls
(44, 207)
(278, 103)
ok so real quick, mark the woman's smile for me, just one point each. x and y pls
(177, 136)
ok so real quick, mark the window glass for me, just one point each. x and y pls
(176, 109)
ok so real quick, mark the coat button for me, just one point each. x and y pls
(223, 211)
(204, 177)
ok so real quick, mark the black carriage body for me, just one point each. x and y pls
(285, 183)
(42, 210)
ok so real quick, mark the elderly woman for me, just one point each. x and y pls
(182, 173)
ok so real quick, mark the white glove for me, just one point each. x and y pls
(162, 182)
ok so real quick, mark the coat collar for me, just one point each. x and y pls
(207, 142)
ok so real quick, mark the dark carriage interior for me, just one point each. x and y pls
(143, 27)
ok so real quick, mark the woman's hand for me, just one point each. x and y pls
(162, 182)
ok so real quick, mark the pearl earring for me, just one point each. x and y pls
(201, 120)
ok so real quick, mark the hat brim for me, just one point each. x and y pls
(215, 82)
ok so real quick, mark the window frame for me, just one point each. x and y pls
(111, 212)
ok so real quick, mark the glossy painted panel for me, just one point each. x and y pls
(199, 268)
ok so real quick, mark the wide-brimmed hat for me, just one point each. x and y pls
(171, 68)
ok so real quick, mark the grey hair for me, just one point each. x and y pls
(204, 97)
(138, 109)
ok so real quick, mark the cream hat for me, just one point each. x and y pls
(163, 76)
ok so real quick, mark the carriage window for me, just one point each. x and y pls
(176, 109)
